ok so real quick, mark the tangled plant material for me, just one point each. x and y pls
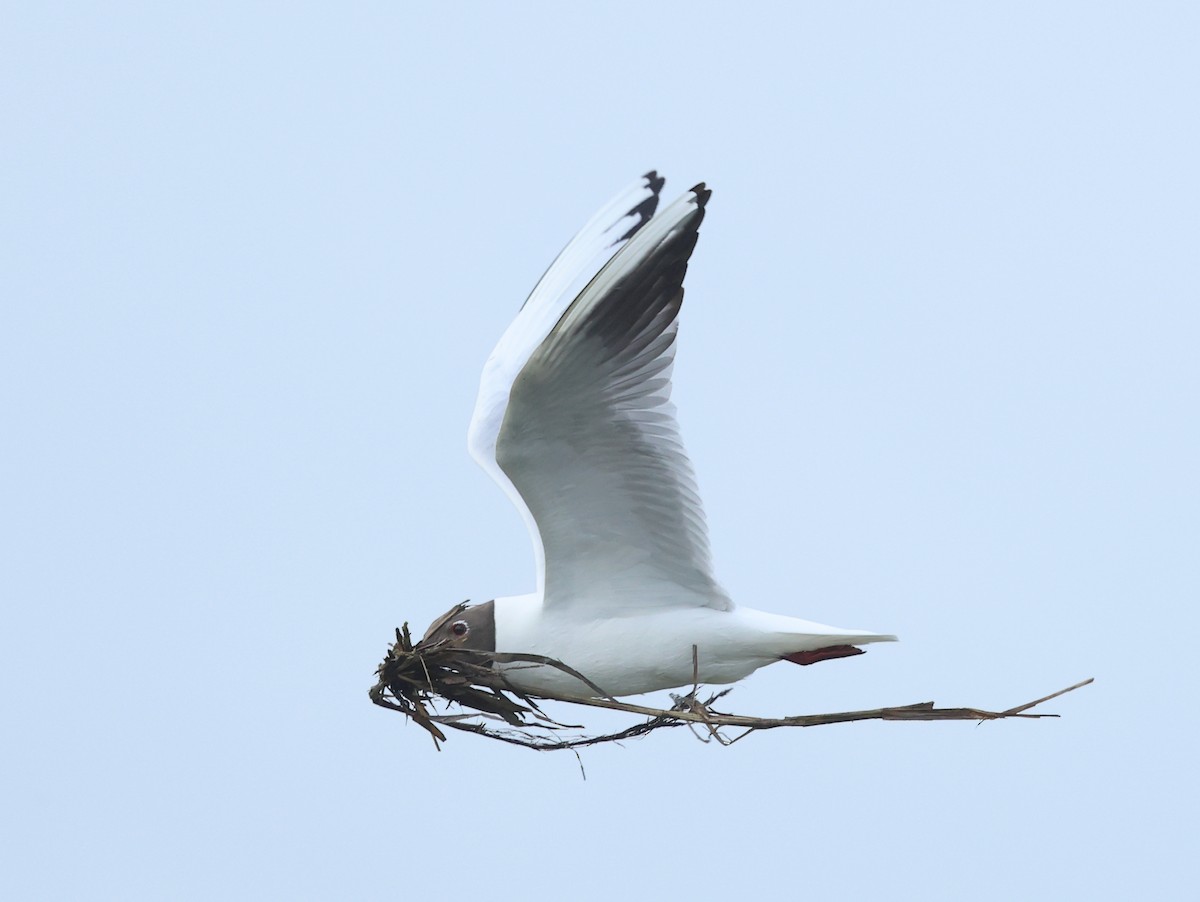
(412, 679)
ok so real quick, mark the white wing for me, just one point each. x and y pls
(574, 418)
(571, 270)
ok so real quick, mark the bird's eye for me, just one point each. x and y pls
(460, 628)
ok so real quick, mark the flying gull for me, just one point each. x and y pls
(574, 421)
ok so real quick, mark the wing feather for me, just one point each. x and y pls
(575, 266)
(589, 440)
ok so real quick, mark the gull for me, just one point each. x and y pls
(574, 420)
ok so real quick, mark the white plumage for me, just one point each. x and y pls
(574, 421)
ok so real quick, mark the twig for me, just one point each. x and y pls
(410, 678)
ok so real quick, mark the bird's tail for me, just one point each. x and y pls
(805, 642)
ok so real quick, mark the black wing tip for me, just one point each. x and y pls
(645, 209)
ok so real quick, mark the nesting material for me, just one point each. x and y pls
(413, 679)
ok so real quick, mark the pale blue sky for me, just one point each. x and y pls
(938, 376)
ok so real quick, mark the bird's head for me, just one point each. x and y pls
(464, 626)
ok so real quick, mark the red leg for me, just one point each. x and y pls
(822, 654)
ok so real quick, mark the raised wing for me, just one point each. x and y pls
(575, 266)
(588, 440)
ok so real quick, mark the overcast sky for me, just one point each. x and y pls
(937, 372)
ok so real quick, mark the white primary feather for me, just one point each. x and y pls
(603, 236)
(574, 420)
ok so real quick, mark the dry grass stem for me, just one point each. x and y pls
(412, 680)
